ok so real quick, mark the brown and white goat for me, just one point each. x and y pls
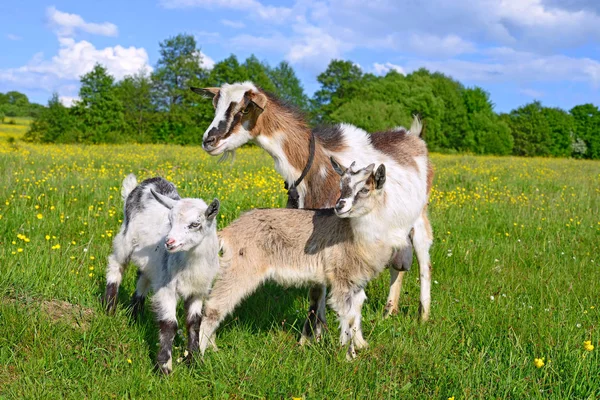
(342, 248)
(244, 112)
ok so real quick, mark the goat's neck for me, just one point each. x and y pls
(377, 227)
(286, 138)
(207, 252)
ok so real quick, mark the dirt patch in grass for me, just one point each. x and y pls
(57, 311)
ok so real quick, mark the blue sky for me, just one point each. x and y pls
(518, 50)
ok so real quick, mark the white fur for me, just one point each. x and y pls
(228, 94)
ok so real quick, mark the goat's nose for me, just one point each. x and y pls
(210, 141)
(340, 204)
(169, 241)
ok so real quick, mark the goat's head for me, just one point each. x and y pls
(360, 189)
(237, 108)
(191, 221)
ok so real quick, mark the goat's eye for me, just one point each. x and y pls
(364, 190)
(246, 110)
(194, 225)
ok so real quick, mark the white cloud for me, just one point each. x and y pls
(206, 62)
(233, 24)
(532, 93)
(10, 36)
(73, 60)
(269, 13)
(68, 101)
(382, 69)
(447, 46)
(512, 66)
(68, 24)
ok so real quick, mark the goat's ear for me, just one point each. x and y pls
(212, 210)
(339, 169)
(380, 177)
(208, 92)
(259, 100)
(370, 168)
(164, 200)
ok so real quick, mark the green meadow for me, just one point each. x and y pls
(516, 283)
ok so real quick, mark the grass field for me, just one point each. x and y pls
(516, 269)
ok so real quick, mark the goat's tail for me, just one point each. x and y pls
(129, 183)
(416, 128)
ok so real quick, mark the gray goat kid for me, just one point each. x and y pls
(174, 244)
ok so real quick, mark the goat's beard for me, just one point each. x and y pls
(227, 154)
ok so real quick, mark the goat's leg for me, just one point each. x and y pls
(348, 304)
(422, 240)
(313, 326)
(193, 312)
(117, 261)
(138, 299)
(165, 304)
(227, 292)
(401, 261)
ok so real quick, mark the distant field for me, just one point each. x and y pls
(516, 269)
(16, 130)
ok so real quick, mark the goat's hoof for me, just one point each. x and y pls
(350, 354)
(361, 344)
(165, 369)
(390, 312)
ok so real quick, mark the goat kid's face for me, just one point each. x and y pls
(191, 221)
(237, 108)
(360, 189)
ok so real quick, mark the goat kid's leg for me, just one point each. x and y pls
(193, 312)
(117, 261)
(422, 240)
(138, 299)
(313, 326)
(227, 292)
(400, 264)
(165, 304)
(348, 305)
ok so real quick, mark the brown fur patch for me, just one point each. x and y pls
(403, 148)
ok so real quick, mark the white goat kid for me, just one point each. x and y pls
(342, 248)
(174, 243)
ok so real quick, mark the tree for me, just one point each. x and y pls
(288, 86)
(586, 118)
(55, 124)
(491, 134)
(135, 93)
(182, 116)
(257, 72)
(338, 84)
(562, 129)
(99, 110)
(530, 130)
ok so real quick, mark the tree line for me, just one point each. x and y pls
(158, 107)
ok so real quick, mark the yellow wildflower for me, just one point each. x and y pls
(538, 362)
(40, 216)
(588, 345)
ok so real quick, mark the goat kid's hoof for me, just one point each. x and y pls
(165, 368)
(350, 354)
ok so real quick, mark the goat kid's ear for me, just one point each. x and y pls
(164, 200)
(380, 177)
(208, 92)
(212, 210)
(337, 167)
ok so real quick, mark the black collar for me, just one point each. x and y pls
(293, 196)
